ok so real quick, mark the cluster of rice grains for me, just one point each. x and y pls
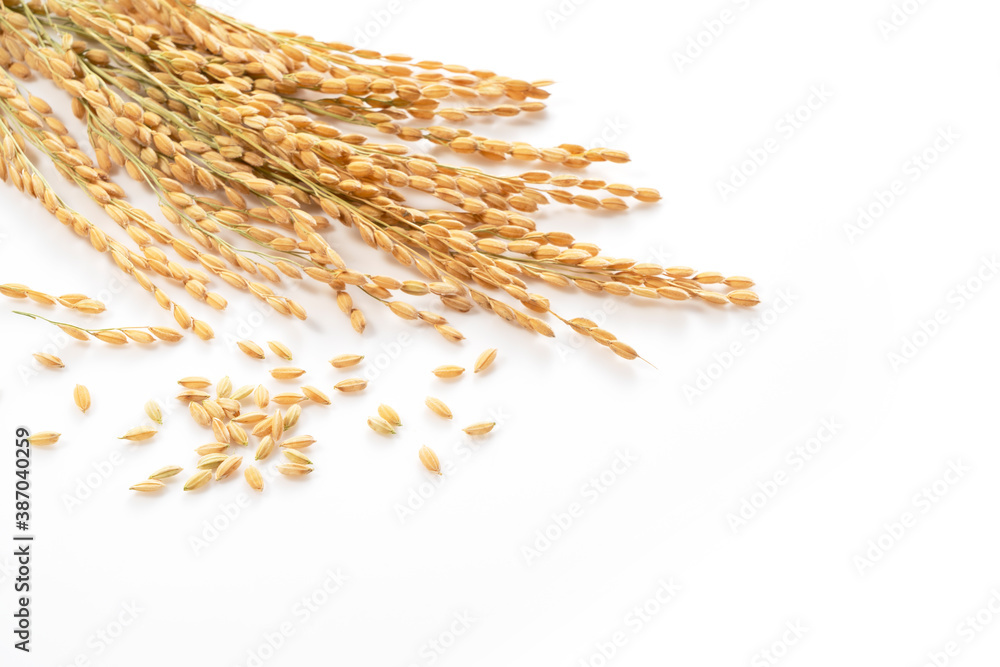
(255, 142)
(266, 428)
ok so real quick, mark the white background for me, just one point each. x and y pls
(835, 307)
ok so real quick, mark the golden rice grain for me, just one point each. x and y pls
(294, 469)
(263, 427)
(220, 430)
(277, 425)
(430, 459)
(202, 329)
(14, 290)
(251, 349)
(242, 392)
(315, 395)
(438, 407)
(165, 472)
(227, 467)
(485, 360)
(81, 396)
(148, 486)
(265, 448)
(192, 395)
(199, 414)
(230, 407)
(286, 373)
(224, 388)
(380, 425)
(213, 409)
(390, 415)
(250, 418)
(479, 428)
(167, 334)
(261, 396)
(152, 409)
(49, 360)
(252, 475)
(292, 416)
(288, 398)
(448, 371)
(139, 433)
(111, 337)
(209, 461)
(351, 384)
(198, 480)
(347, 360)
(744, 298)
(280, 349)
(237, 434)
(295, 456)
(298, 442)
(211, 448)
(43, 438)
(194, 382)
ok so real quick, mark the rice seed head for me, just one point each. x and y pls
(351, 385)
(165, 472)
(251, 349)
(224, 387)
(148, 486)
(380, 426)
(438, 407)
(49, 360)
(280, 349)
(485, 360)
(43, 438)
(294, 469)
(347, 360)
(479, 428)
(286, 373)
(227, 467)
(210, 461)
(295, 456)
(298, 442)
(261, 396)
(315, 395)
(448, 371)
(194, 382)
(390, 415)
(292, 416)
(152, 409)
(139, 433)
(430, 459)
(264, 449)
(81, 396)
(198, 480)
(254, 479)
